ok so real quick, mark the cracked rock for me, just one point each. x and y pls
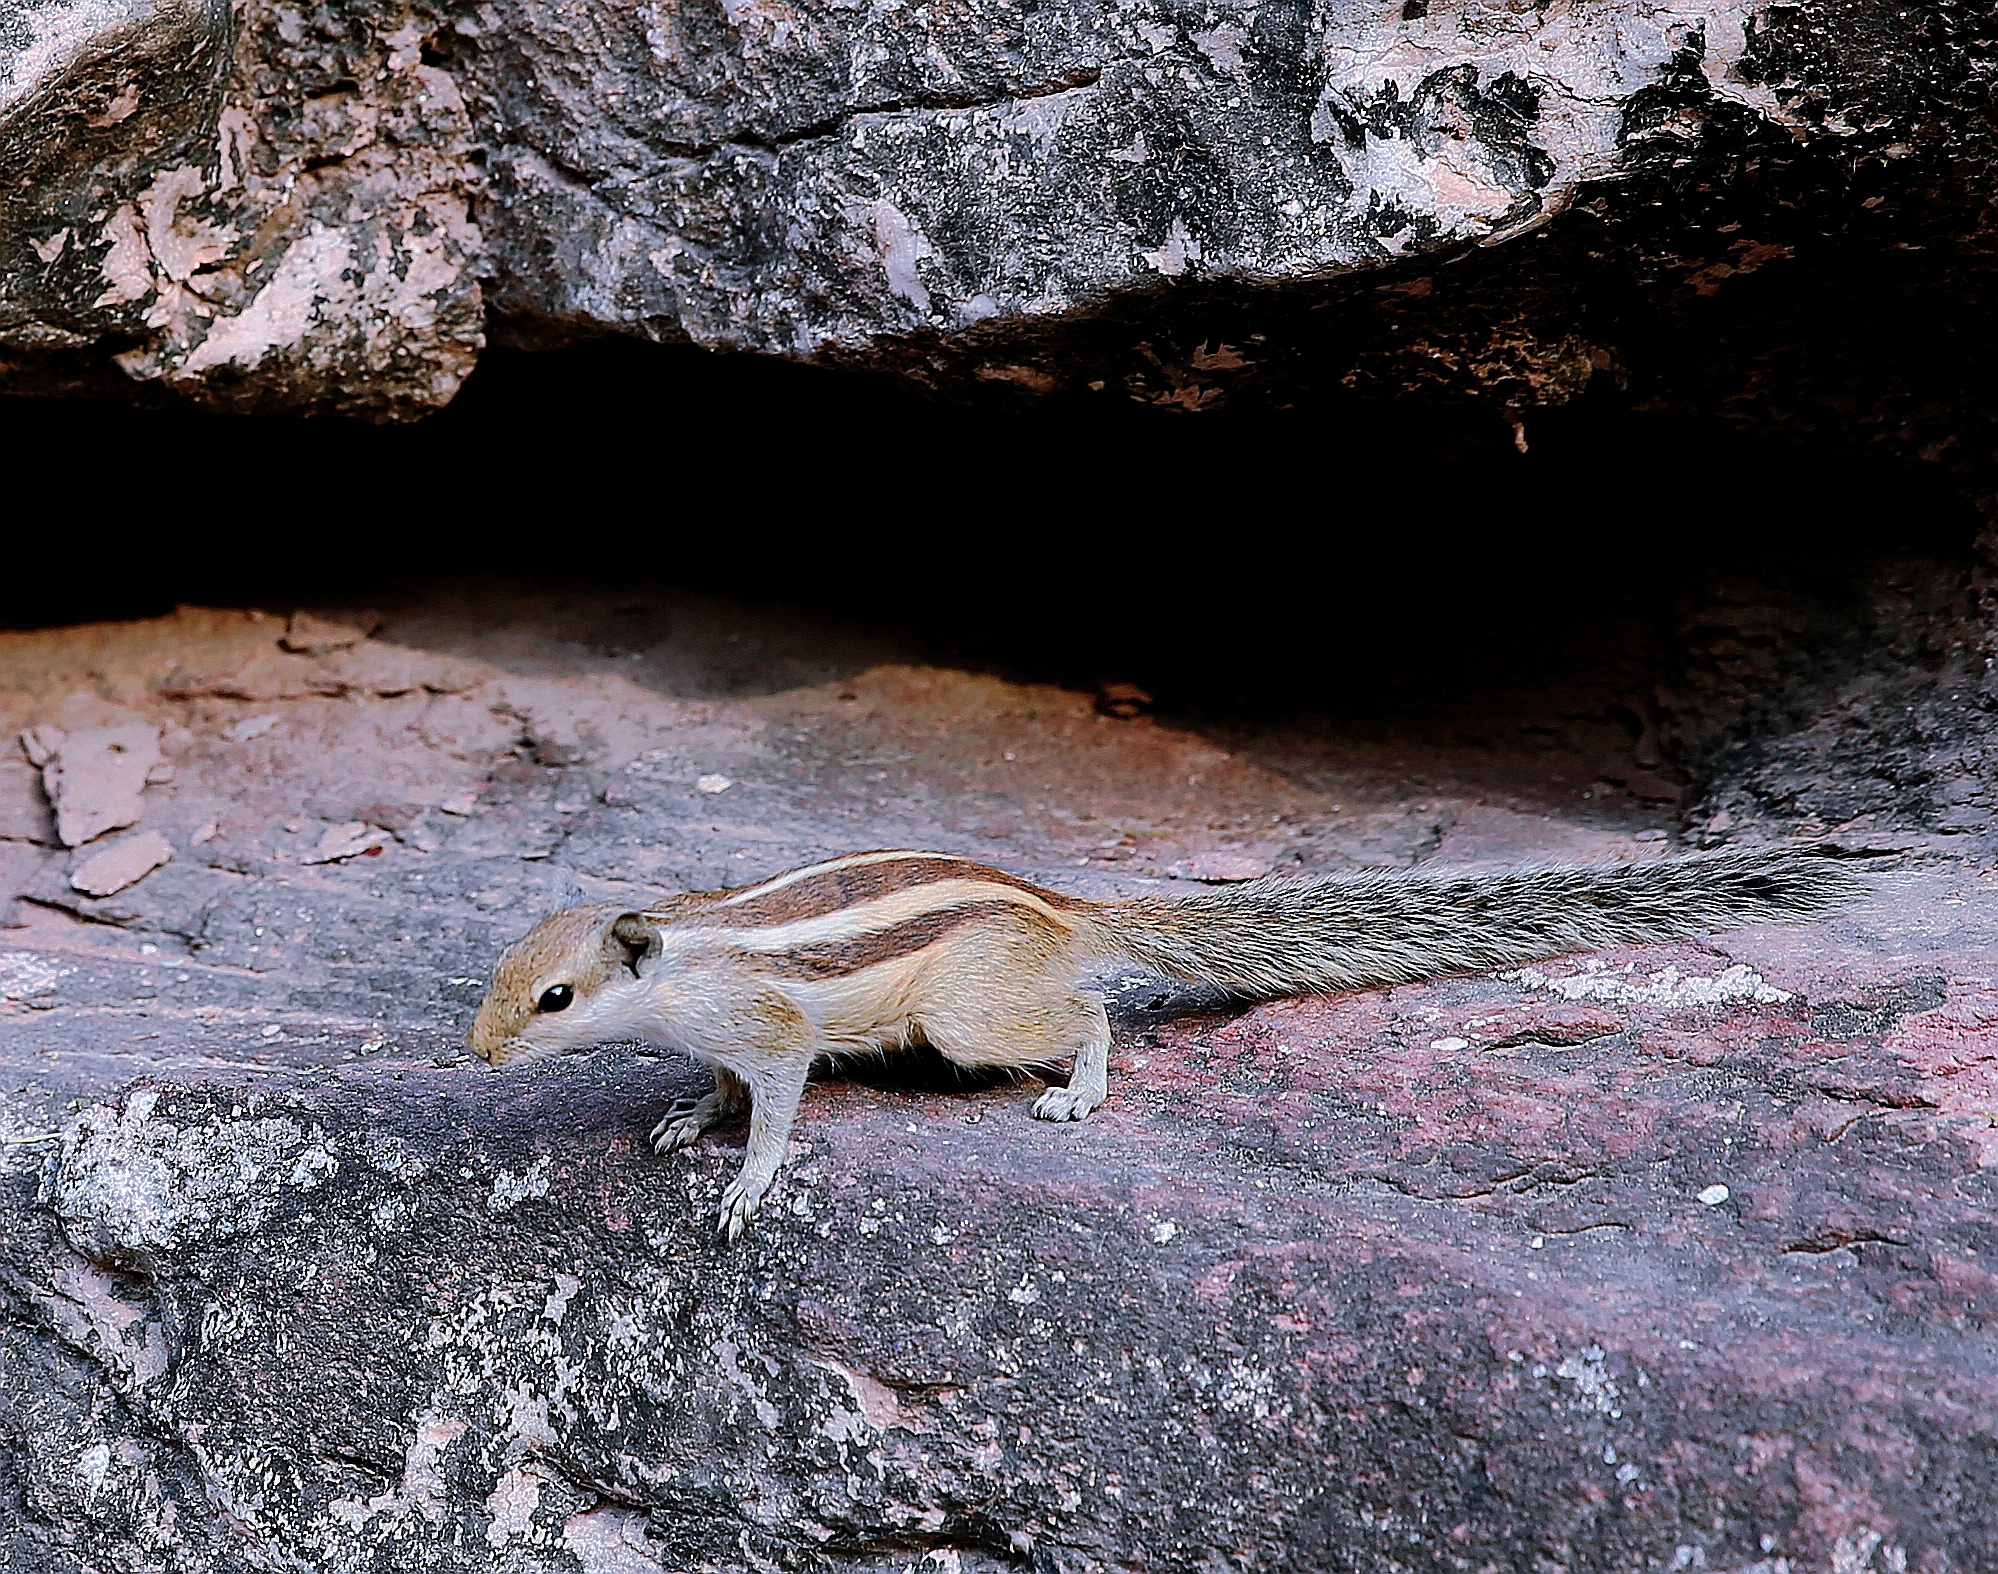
(96, 779)
(124, 863)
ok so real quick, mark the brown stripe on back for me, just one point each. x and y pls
(836, 958)
(837, 889)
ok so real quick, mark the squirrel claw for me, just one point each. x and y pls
(681, 1126)
(1063, 1104)
(739, 1206)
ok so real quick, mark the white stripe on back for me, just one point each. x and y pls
(853, 861)
(866, 918)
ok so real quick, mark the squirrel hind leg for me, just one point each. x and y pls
(1018, 1030)
(1089, 1083)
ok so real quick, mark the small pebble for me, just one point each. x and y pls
(713, 784)
(1714, 1196)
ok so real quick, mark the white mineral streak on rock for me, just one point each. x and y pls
(1586, 60)
(610, 1540)
(127, 266)
(1223, 48)
(124, 863)
(901, 246)
(875, 1403)
(236, 133)
(95, 778)
(92, 1466)
(510, 1190)
(24, 975)
(87, 1310)
(1040, 120)
(512, 1504)
(1665, 987)
(181, 243)
(422, 1490)
(556, 1307)
(1180, 248)
(728, 1363)
(311, 282)
(132, 1187)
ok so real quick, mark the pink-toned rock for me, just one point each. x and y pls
(1220, 868)
(307, 635)
(124, 863)
(20, 864)
(24, 805)
(96, 779)
(350, 840)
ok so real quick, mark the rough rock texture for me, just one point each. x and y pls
(316, 206)
(1842, 703)
(1669, 1258)
(248, 208)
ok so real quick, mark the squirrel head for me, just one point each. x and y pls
(564, 984)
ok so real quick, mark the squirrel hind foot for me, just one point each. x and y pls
(1066, 1104)
(684, 1121)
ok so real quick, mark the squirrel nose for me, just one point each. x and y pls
(482, 1040)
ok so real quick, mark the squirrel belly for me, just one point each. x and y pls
(1279, 937)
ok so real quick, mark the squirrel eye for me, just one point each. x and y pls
(555, 998)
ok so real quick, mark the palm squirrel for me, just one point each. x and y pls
(879, 950)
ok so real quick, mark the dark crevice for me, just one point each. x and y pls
(837, 123)
(827, 126)
(1839, 1240)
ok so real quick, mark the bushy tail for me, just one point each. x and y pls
(1287, 936)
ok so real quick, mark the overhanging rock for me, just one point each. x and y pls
(315, 207)
(830, 175)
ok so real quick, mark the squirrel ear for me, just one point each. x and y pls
(630, 939)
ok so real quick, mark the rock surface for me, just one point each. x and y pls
(1672, 1257)
(323, 207)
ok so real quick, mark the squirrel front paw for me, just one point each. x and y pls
(739, 1205)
